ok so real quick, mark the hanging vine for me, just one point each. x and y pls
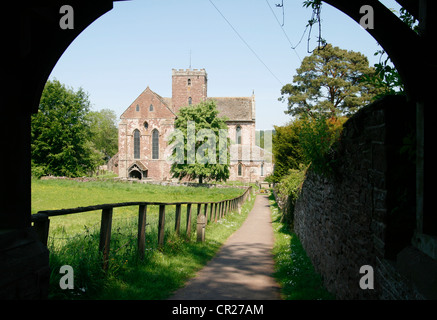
(316, 5)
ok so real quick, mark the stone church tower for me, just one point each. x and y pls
(150, 118)
(189, 87)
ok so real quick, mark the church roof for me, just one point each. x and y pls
(139, 164)
(235, 108)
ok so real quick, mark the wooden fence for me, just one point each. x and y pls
(217, 210)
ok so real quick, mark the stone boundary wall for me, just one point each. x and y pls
(363, 214)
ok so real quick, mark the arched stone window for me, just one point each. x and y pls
(146, 125)
(240, 169)
(136, 144)
(155, 144)
(190, 101)
(238, 135)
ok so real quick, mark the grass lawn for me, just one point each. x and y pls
(61, 194)
(293, 269)
(73, 239)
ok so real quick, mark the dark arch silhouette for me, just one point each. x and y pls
(33, 42)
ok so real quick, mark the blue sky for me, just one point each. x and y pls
(136, 45)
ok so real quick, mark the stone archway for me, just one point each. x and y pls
(33, 33)
(411, 53)
(37, 42)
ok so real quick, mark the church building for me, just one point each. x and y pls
(150, 118)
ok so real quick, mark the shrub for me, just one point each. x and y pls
(287, 151)
(37, 171)
(316, 138)
(288, 190)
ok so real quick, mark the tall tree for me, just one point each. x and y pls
(201, 144)
(104, 132)
(60, 132)
(328, 81)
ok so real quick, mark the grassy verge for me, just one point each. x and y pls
(293, 269)
(73, 240)
(165, 271)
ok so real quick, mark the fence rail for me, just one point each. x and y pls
(217, 210)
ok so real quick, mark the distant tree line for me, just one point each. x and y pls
(67, 138)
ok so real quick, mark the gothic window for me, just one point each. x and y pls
(151, 107)
(189, 82)
(240, 169)
(155, 144)
(136, 144)
(238, 135)
(137, 108)
(146, 125)
(190, 101)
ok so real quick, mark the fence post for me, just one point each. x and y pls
(219, 214)
(222, 211)
(240, 203)
(41, 227)
(177, 224)
(200, 224)
(215, 211)
(142, 212)
(188, 232)
(210, 212)
(199, 206)
(205, 212)
(105, 235)
(161, 225)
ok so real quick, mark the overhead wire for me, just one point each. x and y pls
(245, 42)
(282, 28)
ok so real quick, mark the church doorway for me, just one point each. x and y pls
(135, 174)
(137, 171)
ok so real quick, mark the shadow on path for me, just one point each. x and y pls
(244, 265)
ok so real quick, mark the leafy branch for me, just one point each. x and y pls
(386, 79)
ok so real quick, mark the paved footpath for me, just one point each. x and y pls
(243, 267)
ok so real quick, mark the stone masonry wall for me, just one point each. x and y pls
(188, 83)
(363, 214)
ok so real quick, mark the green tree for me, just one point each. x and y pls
(104, 132)
(328, 82)
(287, 151)
(203, 156)
(60, 133)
